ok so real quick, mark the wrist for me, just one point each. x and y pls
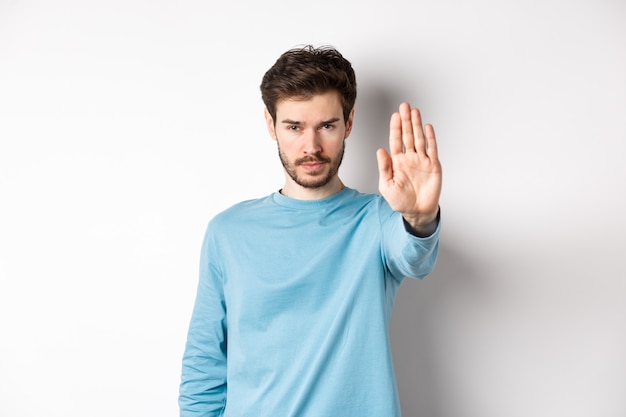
(422, 225)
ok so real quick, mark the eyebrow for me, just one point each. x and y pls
(323, 122)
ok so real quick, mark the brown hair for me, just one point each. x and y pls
(307, 71)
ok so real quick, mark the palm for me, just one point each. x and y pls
(410, 175)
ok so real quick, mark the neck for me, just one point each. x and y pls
(298, 192)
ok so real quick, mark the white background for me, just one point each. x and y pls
(126, 125)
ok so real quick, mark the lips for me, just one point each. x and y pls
(312, 162)
(312, 166)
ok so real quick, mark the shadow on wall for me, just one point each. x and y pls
(416, 329)
(371, 132)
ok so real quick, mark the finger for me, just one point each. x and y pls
(395, 134)
(418, 131)
(431, 142)
(408, 138)
(385, 167)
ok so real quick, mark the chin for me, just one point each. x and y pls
(313, 183)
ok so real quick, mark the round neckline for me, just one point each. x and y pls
(283, 200)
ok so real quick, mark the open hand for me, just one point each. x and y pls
(410, 175)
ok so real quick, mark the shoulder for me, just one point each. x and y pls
(350, 196)
(370, 202)
(241, 211)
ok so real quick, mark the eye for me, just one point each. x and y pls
(327, 126)
(293, 127)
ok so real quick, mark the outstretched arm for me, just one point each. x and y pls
(410, 174)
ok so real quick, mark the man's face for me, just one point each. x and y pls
(310, 135)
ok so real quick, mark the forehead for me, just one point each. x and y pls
(318, 107)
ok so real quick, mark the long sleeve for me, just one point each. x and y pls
(407, 255)
(203, 380)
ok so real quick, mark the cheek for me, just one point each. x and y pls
(334, 144)
(287, 147)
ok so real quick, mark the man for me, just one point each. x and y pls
(296, 289)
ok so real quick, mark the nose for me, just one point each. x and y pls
(311, 144)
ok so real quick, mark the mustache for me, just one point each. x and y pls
(308, 159)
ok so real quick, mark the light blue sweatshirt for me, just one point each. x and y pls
(293, 306)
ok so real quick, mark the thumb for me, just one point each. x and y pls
(385, 170)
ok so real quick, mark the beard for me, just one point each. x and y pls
(312, 181)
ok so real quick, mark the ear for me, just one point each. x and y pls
(270, 124)
(349, 123)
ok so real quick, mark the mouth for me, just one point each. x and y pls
(312, 166)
